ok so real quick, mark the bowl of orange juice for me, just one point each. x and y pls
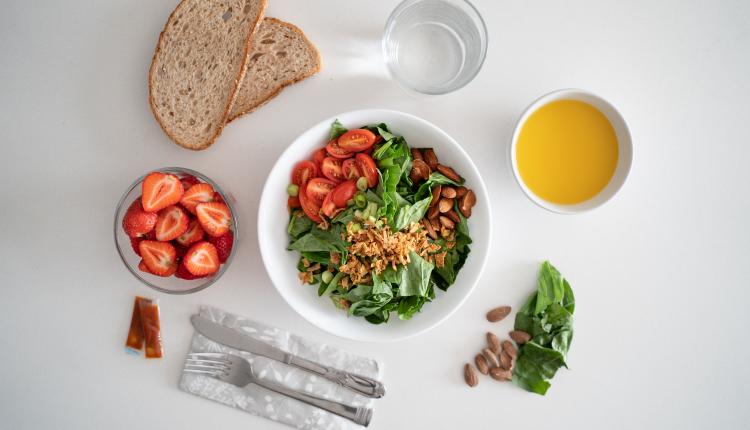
(571, 151)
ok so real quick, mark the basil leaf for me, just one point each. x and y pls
(337, 129)
(535, 366)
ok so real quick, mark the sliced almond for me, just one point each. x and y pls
(482, 364)
(498, 314)
(470, 376)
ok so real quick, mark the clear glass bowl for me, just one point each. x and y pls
(170, 284)
(434, 46)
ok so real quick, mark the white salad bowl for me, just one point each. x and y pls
(281, 264)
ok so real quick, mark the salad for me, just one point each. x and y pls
(378, 225)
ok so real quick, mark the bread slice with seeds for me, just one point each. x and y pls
(281, 56)
(199, 63)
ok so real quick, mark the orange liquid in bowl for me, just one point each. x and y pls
(566, 152)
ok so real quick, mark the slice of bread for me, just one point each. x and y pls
(198, 65)
(281, 56)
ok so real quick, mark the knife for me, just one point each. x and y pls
(234, 339)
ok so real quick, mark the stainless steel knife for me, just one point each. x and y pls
(234, 339)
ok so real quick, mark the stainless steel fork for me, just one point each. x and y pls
(238, 371)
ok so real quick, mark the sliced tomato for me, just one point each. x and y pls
(334, 150)
(311, 208)
(317, 190)
(333, 169)
(303, 172)
(319, 155)
(368, 169)
(329, 207)
(350, 169)
(343, 192)
(356, 140)
(293, 203)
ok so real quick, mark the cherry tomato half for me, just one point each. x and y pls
(333, 169)
(319, 155)
(317, 190)
(311, 208)
(328, 208)
(303, 172)
(369, 170)
(334, 150)
(356, 140)
(343, 192)
(350, 169)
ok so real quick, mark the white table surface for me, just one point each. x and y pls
(661, 273)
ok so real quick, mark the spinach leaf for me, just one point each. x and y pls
(321, 257)
(547, 316)
(298, 225)
(436, 178)
(318, 240)
(378, 297)
(337, 129)
(408, 306)
(415, 276)
(408, 214)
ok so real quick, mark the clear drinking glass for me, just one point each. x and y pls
(434, 46)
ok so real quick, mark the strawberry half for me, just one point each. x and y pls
(183, 273)
(202, 259)
(135, 243)
(223, 245)
(188, 180)
(200, 193)
(137, 222)
(215, 218)
(193, 234)
(179, 250)
(172, 222)
(160, 190)
(218, 197)
(142, 266)
(159, 257)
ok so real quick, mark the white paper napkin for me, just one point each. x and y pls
(259, 401)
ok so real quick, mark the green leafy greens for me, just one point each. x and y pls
(403, 289)
(548, 317)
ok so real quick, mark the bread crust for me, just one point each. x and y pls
(284, 84)
(237, 81)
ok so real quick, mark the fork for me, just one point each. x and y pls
(237, 371)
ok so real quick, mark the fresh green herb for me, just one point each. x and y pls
(337, 129)
(548, 317)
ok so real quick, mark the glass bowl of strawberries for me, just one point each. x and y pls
(175, 230)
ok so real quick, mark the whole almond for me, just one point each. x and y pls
(498, 314)
(461, 191)
(467, 202)
(419, 171)
(493, 342)
(449, 192)
(453, 216)
(416, 154)
(470, 376)
(436, 191)
(491, 357)
(449, 173)
(430, 230)
(520, 337)
(500, 374)
(433, 212)
(506, 362)
(482, 364)
(430, 158)
(509, 349)
(447, 222)
(436, 223)
(445, 205)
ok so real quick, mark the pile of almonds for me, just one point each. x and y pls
(441, 215)
(499, 357)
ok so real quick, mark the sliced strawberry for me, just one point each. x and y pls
(172, 222)
(160, 190)
(159, 257)
(200, 193)
(188, 181)
(135, 243)
(215, 218)
(218, 197)
(179, 250)
(138, 222)
(183, 273)
(142, 266)
(193, 234)
(202, 259)
(223, 245)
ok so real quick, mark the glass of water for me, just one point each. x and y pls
(434, 46)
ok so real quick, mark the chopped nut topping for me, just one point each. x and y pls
(305, 277)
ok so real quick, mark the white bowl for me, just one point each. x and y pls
(624, 143)
(282, 264)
